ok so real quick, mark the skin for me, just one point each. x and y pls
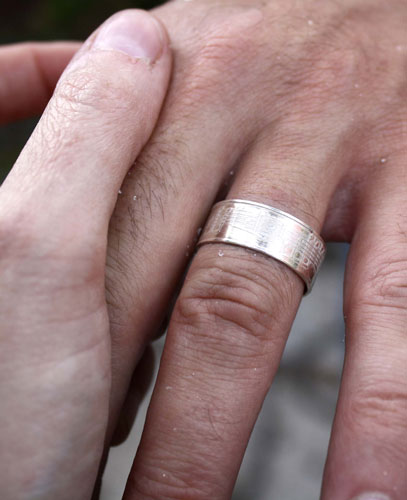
(306, 103)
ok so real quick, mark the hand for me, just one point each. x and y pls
(305, 103)
(55, 206)
(302, 138)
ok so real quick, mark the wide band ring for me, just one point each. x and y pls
(267, 230)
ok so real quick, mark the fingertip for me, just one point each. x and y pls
(135, 33)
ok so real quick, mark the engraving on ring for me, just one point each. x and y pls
(268, 230)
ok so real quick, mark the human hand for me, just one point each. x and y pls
(303, 138)
(55, 206)
(305, 103)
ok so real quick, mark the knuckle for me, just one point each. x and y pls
(335, 69)
(387, 286)
(380, 406)
(233, 304)
(324, 74)
(225, 45)
(331, 62)
(234, 301)
(231, 38)
(156, 482)
(79, 92)
(82, 98)
(74, 93)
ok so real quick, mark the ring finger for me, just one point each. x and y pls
(228, 331)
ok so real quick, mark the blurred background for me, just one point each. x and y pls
(286, 454)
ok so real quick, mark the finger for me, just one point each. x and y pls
(103, 111)
(228, 331)
(28, 75)
(166, 197)
(139, 385)
(368, 448)
(136, 391)
(54, 210)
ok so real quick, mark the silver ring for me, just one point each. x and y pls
(267, 230)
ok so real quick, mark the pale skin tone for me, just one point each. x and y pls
(306, 103)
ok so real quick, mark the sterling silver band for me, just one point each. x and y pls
(267, 230)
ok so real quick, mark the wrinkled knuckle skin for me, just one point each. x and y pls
(233, 307)
(157, 480)
(89, 104)
(379, 408)
(79, 92)
(329, 61)
(334, 70)
(225, 46)
(231, 40)
(322, 75)
(387, 285)
(233, 301)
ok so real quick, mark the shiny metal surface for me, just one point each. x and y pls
(267, 230)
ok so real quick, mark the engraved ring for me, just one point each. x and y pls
(269, 231)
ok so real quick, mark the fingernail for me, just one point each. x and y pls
(372, 496)
(135, 33)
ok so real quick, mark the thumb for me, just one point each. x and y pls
(55, 207)
(103, 111)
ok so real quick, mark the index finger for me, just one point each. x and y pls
(28, 75)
